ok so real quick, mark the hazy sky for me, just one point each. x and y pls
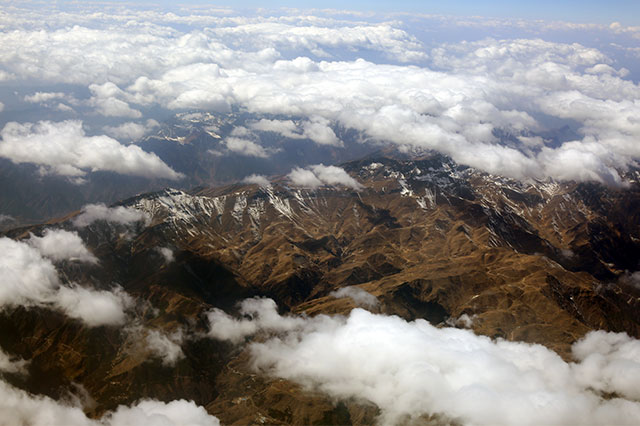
(595, 11)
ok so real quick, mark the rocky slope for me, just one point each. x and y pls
(539, 262)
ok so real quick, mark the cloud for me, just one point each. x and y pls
(332, 175)
(304, 177)
(460, 99)
(20, 407)
(257, 180)
(166, 346)
(150, 412)
(359, 296)
(63, 148)
(261, 313)
(94, 307)
(105, 100)
(286, 128)
(245, 147)
(58, 244)
(120, 214)
(28, 277)
(31, 280)
(166, 253)
(463, 320)
(609, 363)
(6, 218)
(413, 369)
(41, 97)
(319, 174)
(131, 130)
(11, 364)
(316, 129)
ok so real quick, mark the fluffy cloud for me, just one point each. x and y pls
(19, 407)
(609, 363)
(93, 307)
(304, 177)
(10, 364)
(106, 102)
(166, 253)
(316, 129)
(333, 175)
(150, 412)
(471, 100)
(120, 214)
(44, 97)
(359, 296)
(58, 244)
(260, 314)
(319, 174)
(257, 180)
(166, 346)
(30, 279)
(131, 130)
(410, 369)
(245, 147)
(63, 148)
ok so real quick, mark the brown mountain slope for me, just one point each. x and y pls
(537, 262)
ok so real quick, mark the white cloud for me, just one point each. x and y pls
(94, 307)
(304, 177)
(286, 128)
(463, 320)
(64, 149)
(30, 280)
(11, 364)
(262, 314)
(257, 180)
(131, 130)
(409, 369)
(453, 101)
(41, 97)
(319, 174)
(120, 214)
(150, 412)
(333, 175)
(316, 129)
(58, 244)
(609, 363)
(18, 407)
(64, 107)
(245, 147)
(167, 254)
(360, 296)
(165, 346)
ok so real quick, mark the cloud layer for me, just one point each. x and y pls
(490, 103)
(64, 149)
(30, 279)
(411, 369)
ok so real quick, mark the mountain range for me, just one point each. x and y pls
(413, 238)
